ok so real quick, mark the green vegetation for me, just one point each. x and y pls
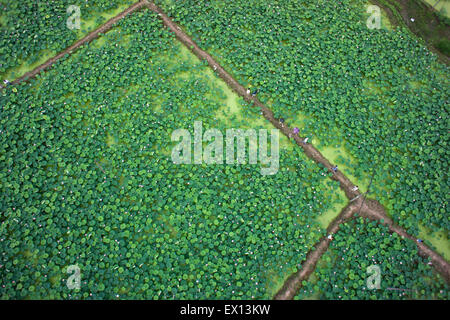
(87, 179)
(342, 272)
(430, 24)
(32, 31)
(381, 94)
(442, 6)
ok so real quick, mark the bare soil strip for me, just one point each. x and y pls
(91, 36)
(371, 208)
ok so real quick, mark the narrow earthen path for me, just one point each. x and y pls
(89, 37)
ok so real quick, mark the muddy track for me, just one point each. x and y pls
(89, 37)
(369, 208)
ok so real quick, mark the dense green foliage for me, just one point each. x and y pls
(86, 178)
(429, 24)
(380, 94)
(29, 27)
(342, 273)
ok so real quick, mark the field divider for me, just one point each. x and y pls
(309, 149)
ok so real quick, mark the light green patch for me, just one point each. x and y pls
(232, 103)
(23, 68)
(301, 121)
(339, 201)
(345, 162)
(441, 6)
(439, 240)
(89, 25)
(99, 42)
(86, 26)
(372, 89)
(385, 23)
(110, 140)
(156, 102)
(275, 281)
(315, 295)
(285, 143)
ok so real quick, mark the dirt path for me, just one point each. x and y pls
(91, 36)
(369, 208)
